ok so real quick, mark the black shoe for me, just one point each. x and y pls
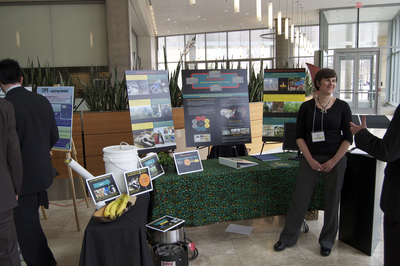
(279, 246)
(325, 251)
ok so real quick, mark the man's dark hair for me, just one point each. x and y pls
(10, 71)
(324, 73)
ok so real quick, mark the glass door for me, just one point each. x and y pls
(358, 79)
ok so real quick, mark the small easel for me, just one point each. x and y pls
(71, 178)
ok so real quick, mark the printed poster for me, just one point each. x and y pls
(284, 92)
(62, 101)
(216, 107)
(138, 181)
(150, 110)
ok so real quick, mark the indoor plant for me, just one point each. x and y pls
(165, 160)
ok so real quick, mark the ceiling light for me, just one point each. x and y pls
(259, 17)
(286, 28)
(236, 6)
(192, 2)
(279, 26)
(292, 33)
(270, 15)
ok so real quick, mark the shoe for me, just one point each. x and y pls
(279, 246)
(325, 251)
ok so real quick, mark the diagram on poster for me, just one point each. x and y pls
(284, 92)
(216, 106)
(150, 110)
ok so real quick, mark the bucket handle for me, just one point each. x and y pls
(109, 160)
(122, 142)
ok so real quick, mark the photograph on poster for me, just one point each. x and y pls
(296, 84)
(137, 87)
(271, 84)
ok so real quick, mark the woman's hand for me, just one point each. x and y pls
(328, 165)
(315, 165)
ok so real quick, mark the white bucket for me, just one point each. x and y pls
(119, 159)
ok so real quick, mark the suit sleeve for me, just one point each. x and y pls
(14, 160)
(53, 131)
(386, 149)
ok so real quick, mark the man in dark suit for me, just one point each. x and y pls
(37, 132)
(10, 179)
(386, 149)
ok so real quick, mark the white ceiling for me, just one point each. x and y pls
(174, 17)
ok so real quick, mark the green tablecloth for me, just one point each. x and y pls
(221, 193)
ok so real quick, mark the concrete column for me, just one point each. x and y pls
(284, 49)
(118, 36)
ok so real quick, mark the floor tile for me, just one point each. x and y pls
(215, 246)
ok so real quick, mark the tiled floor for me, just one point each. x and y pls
(215, 246)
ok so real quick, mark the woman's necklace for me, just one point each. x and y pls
(324, 107)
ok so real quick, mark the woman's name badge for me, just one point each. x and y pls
(318, 136)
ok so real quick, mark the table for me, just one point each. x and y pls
(121, 242)
(220, 193)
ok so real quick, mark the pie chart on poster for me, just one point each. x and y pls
(186, 162)
(144, 180)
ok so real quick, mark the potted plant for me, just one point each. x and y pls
(165, 160)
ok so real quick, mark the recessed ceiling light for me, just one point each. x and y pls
(247, 13)
(226, 10)
(198, 16)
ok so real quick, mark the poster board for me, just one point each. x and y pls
(103, 188)
(165, 223)
(151, 161)
(188, 162)
(150, 110)
(284, 92)
(216, 107)
(138, 181)
(62, 101)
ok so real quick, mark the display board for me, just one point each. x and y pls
(138, 181)
(62, 101)
(284, 92)
(188, 162)
(103, 188)
(216, 107)
(150, 110)
(151, 161)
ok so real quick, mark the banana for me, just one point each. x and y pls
(107, 209)
(113, 208)
(122, 205)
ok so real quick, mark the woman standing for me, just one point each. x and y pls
(323, 135)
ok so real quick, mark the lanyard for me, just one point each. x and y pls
(322, 118)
